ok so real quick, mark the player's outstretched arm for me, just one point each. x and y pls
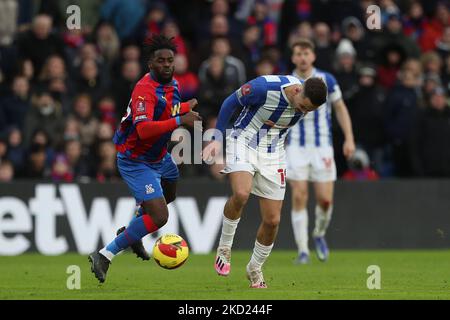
(229, 106)
(345, 122)
(149, 129)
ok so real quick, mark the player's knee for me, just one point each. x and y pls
(272, 222)
(299, 199)
(160, 219)
(324, 204)
(241, 198)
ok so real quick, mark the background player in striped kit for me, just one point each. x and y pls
(255, 158)
(310, 155)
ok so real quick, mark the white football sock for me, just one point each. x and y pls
(228, 230)
(323, 219)
(300, 227)
(106, 253)
(260, 254)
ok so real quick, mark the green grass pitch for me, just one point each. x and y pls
(404, 275)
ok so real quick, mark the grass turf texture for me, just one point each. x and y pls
(404, 275)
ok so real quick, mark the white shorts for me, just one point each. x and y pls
(310, 164)
(268, 169)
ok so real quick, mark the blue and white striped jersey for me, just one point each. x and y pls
(314, 130)
(266, 115)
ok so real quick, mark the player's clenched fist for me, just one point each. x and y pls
(192, 103)
(190, 118)
(211, 151)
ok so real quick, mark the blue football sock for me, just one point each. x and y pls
(135, 231)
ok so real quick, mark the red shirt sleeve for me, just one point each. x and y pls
(142, 104)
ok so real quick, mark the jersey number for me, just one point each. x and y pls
(282, 173)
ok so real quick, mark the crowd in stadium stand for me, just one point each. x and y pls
(63, 92)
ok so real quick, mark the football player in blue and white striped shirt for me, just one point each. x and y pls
(310, 155)
(255, 157)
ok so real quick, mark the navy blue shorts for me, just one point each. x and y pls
(144, 179)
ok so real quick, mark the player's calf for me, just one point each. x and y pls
(137, 247)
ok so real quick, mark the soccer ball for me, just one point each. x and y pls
(170, 251)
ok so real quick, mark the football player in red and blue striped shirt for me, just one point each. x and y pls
(153, 113)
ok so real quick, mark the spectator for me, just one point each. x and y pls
(219, 28)
(15, 106)
(346, 74)
(44, 113)
(415, 21)
(87, 122)
(434, 29)
(443, 44)
(123, 85)
(36, 165)
(79, 164)
(107, 110)
(235, 69)
(188, 82)
(60, 171)
(359, 168)
(400, 114)
(39, 43)
(353, 30)
(41, 138)
(264, 67)
(171, 30)
(90, 80)
(6, 171)
(126, 16)
(292, 12)
(251, 50)
(392, 59)
(155, 19)
(16, 151)
(55, 79)
(366, 108)
(107, 169)
(3, 148)
(215, 86)
(433, 137)
(324, 49)
(268, 28)
(108, 43)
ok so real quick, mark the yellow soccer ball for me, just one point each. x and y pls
(170, 251)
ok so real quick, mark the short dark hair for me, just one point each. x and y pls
(157, 42)
(304, 43)
(316, 90)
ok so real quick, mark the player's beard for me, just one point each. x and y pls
(164, 79)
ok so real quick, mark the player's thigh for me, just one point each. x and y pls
(241, 184)
(324, 192)
(169, 177)
(298, 163)
(169, 190)
(270, 211)
(142, 181)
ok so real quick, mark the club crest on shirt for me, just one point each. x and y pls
(246, 89)
(140, 106)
